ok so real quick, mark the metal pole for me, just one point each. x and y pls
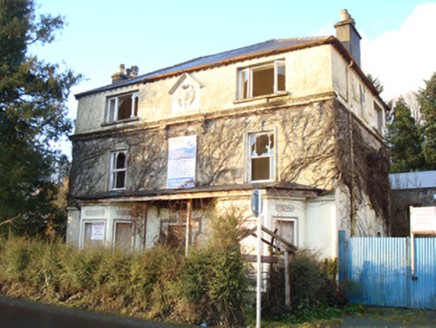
(287, 284)
(259, 264)
(188, 226)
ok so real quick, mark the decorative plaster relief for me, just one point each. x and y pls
(185, 95)
(284, 208)
(95, 212)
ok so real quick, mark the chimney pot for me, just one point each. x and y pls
(135, 71)
(345, 15)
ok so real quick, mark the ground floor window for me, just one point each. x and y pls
(287, 229)
(123, 235)
(94, 233)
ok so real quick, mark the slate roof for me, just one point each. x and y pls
(283, 185)
(264, 48)
(413, 180)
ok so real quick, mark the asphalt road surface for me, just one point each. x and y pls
(21, 314)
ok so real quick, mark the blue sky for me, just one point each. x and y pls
(398, 44)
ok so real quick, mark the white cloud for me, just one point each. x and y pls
(403, 59)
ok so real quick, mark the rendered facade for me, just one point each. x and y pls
(156, 157)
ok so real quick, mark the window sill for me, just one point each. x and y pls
(274, 95)
(127, 120)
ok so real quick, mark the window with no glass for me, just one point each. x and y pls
(122, 107)
(261, 156)
(261, 80)
(118, 170)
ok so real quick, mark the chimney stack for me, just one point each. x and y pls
(348, 35)
(124, 74)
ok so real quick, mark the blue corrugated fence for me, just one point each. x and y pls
(378, 271)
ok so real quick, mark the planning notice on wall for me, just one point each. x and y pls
(181, 161)
(97, 231)
(423, 219)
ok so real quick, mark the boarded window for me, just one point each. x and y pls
(123, 234)
(94, 233)
(285, 229)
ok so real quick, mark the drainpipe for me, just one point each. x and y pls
(352, 199)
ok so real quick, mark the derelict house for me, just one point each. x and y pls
(157, 156)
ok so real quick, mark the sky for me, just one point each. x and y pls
(398, 36)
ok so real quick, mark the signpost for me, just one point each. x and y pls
(256, 207)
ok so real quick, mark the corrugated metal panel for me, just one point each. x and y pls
(377, 268)
(423, 283)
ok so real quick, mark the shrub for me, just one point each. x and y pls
(207, 286)
(314, 291)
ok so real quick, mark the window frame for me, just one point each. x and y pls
(114, 232)
(83, 241)
(112, 114)
(292, 219)
(114, 171)
(248, 72)
(272, 156)
(379, 118)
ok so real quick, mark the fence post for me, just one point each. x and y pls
(342, 260)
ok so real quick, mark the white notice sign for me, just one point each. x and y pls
(97, 231)
(182, 153)
(423, 219)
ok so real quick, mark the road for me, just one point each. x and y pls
(21, 314)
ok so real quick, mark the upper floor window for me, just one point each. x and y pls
(262, 80)
(261, 156)
(122, 107)
(378, 118)
(118, 170)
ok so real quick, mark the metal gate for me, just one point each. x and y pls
(378, 271)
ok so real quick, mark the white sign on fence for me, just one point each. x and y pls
(423, 219)
(181, 161)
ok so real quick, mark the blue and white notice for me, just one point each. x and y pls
(182, 153)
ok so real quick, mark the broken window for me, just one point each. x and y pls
(262, 156)
(118, 170)
(262, 80)
(122, 107)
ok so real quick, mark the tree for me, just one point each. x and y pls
(376, 83)
(427, 102)
(405, 140)
(33, 97)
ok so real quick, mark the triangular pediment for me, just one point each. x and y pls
(186, 78)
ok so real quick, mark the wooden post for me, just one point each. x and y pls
(287, 284)
(188, 226)
(144, 225)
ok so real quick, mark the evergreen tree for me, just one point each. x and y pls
(427, 102)
(32, 115)
(404, 140)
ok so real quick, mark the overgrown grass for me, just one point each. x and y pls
(208, 286)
